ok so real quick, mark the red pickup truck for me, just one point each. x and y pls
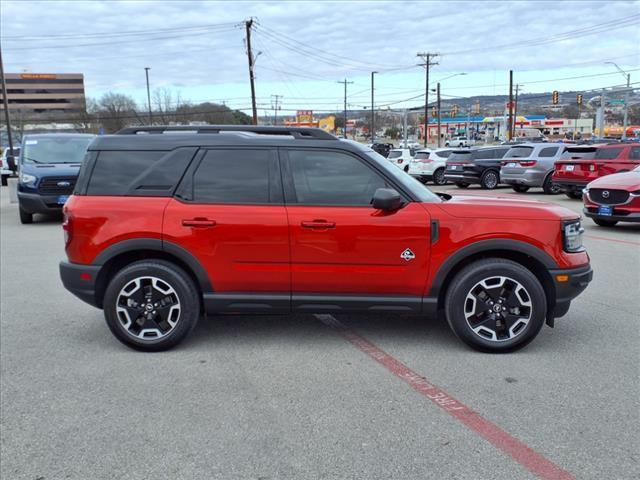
(572, 175)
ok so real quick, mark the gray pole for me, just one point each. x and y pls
(601, 116)
(373, 112)
(510, 124)
(438, 107)
(427, 57)
(626, 108)
(248, 24)
(6, 104)
(146, 71)
(344, 132)
(405, 114)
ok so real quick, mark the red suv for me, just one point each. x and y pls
(613, 199)
(164, 228)
(573, 174)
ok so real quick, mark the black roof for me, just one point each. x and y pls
(170, 137)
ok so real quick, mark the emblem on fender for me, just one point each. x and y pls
(407, 255)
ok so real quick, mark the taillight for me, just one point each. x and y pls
(66, 226)
(593, 167)
(400, 160)
(528, 163)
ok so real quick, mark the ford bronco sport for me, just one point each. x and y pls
(164, 228)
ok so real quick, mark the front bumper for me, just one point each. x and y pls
(633, 217)
(568, 284)
(36, 203)
(81, 281)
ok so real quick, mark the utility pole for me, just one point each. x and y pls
(373, 112)
(515, 112)
(626, 108)
(344, 131)
(600, 115)
(248, 24)
(275, 105)
(146, 72)
(438, 111)
(5, 102)
(428, 63)
(510, 124)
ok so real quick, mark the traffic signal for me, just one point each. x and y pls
(555, 97)
(579, 99)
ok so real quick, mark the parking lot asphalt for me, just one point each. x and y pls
(266, 397)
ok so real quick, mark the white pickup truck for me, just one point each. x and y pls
(459, 142)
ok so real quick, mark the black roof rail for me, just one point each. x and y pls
(296, 132)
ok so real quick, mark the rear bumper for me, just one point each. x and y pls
(633, 217)
(35, 203)
(569, 185)
(527, 178)
(462, 177)
(81, 281)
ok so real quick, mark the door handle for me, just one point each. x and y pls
(198, 222)
(318, 224)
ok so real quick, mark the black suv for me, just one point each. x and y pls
(480, 165)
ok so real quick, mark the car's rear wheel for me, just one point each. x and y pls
(406, 169)
(520, 188)
(490, 180)
(605, 223)
(549, 187)
(495, 305)
(462, 185)
(25, 217)
(5, 180)
(151, 305)
(438, 177)
(573, 195)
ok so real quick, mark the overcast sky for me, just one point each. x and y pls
(198, 49)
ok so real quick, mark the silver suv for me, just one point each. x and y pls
(531, 165)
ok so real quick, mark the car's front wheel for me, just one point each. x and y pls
(549, 187)
(5, 180)
(495, 305)
(151, 305)
(25, 217)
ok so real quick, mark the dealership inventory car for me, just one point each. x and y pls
(614, 198)
(401, 157)
(428, 165)
(572, 175)
(48, 168)
(163, 228)
(382, 148)
(531, 164)
(478, 165)
(5, 167)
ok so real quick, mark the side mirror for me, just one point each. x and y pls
(11, 163)
(386, 199)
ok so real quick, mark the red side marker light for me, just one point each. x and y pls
(85, 276)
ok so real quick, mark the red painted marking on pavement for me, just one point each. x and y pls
(612, 240)
(519, 451)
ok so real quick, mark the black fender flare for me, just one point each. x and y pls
(156, 244)
(515, 246)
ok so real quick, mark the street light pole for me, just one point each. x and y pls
(146, 72)
(5, 102)
(438, 107)
(373, 112)
(626, 99)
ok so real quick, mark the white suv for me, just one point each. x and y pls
(459, 142)
(401, 157)
(5, 171)
(429, 164)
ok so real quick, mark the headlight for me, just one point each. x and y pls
(572, 236)
(28, 179)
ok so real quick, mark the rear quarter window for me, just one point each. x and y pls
(548, 152)
(635, 153)
(519, 152)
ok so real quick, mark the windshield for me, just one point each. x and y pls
(395, 154)
(519, 152)
(62, 149)
(415, 186)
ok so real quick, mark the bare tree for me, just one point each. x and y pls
(116, 111)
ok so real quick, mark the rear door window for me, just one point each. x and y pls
(459, 157)
(608, 153)
(237, 176)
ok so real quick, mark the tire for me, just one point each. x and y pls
(495, 331)
(5, 180)
(438, 177)
(164, 281)
(406, 169)
(446, 144)
(574, 195)
(25, 217)
(490, 180)
(520, 188)
(604, 223)
(462, 185)
(548, 186)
